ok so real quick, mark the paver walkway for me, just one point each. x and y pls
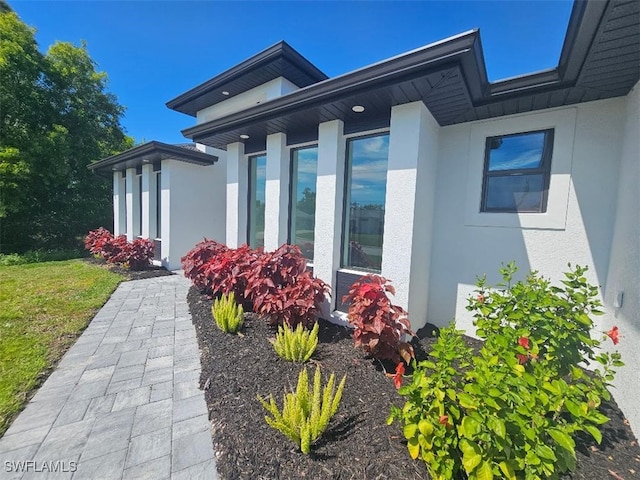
(124, 401)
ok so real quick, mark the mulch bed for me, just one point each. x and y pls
(150, 272)
(358, 444)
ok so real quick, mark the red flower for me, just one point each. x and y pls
(481, 298)
(397, 378)
(613, 334)
(444, 420)
(522, 359)
(524, 342)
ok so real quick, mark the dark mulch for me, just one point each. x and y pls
(150, 272)
(358, 444)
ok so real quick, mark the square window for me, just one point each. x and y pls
(517, 172)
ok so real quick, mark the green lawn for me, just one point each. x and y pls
(43, 309)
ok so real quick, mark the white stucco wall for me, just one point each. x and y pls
(624, 266)
(193, 207)
(276, 212)
(409, 207)
(577, 228)
(260, 94)
(237, 187)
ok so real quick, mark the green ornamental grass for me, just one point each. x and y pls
(229, 315)
(306, 412)
(296, 345)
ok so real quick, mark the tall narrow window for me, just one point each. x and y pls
(517, 172)
(126, 209)
(139, 225)
(302, 215)
(366, 185)
(257, 185)
(159, 204)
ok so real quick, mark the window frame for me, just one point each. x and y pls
(293, 184)
(346, 199)
(544, 169)
(252, 162)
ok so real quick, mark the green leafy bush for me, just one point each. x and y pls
(306, 412)
(296, 345)
(512, 410)
(229, 315)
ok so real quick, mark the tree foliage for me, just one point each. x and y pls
(56, 117)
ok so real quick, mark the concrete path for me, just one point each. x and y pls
(124, 402)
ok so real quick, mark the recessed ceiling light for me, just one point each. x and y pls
(114, 169)
(145, 160)
(358, 108)
(224, 92)
(244, 136)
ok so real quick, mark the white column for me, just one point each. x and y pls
(165, 213)
(409, 209)
(276, 211)
(329, 198)
(149, 203)
(237, 194)
(119, 199)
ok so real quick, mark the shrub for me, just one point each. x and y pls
(296, 345)
(195, 262)
(282, 289)
(227, 313)
(136, 255)
(516, 407)
(307, 411)
(96, 240)
(227, 272)
(379, 325)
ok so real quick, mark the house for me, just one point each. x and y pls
(416, 167)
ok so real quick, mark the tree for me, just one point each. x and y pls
(56, 117)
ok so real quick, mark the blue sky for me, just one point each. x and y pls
(153, 51)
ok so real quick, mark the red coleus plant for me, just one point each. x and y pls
(97, 239)
(379, 325)
(282, 289)
(228, 271)
(195, 262)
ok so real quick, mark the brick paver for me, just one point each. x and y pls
(124, 401)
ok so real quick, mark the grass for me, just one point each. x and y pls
(43, 308)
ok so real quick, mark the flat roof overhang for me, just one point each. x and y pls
(151, 152)
(600, 59)
(434, 74)
(279, 60)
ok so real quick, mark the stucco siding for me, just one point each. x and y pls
(624, 266)
(194, 206)
(587, 146)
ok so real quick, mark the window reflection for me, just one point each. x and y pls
(365, 201)
(303, 199)
(257, 185)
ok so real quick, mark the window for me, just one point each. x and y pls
(257, 185)
(517, 172)
(366, 185)
(302, 214)
(158, 204)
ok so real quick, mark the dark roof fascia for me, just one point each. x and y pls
(281, 48)
(154, 150)
(583, 24)
(372, 76)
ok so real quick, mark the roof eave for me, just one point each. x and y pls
(362, 79)
(149, 152)
(281, 48)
